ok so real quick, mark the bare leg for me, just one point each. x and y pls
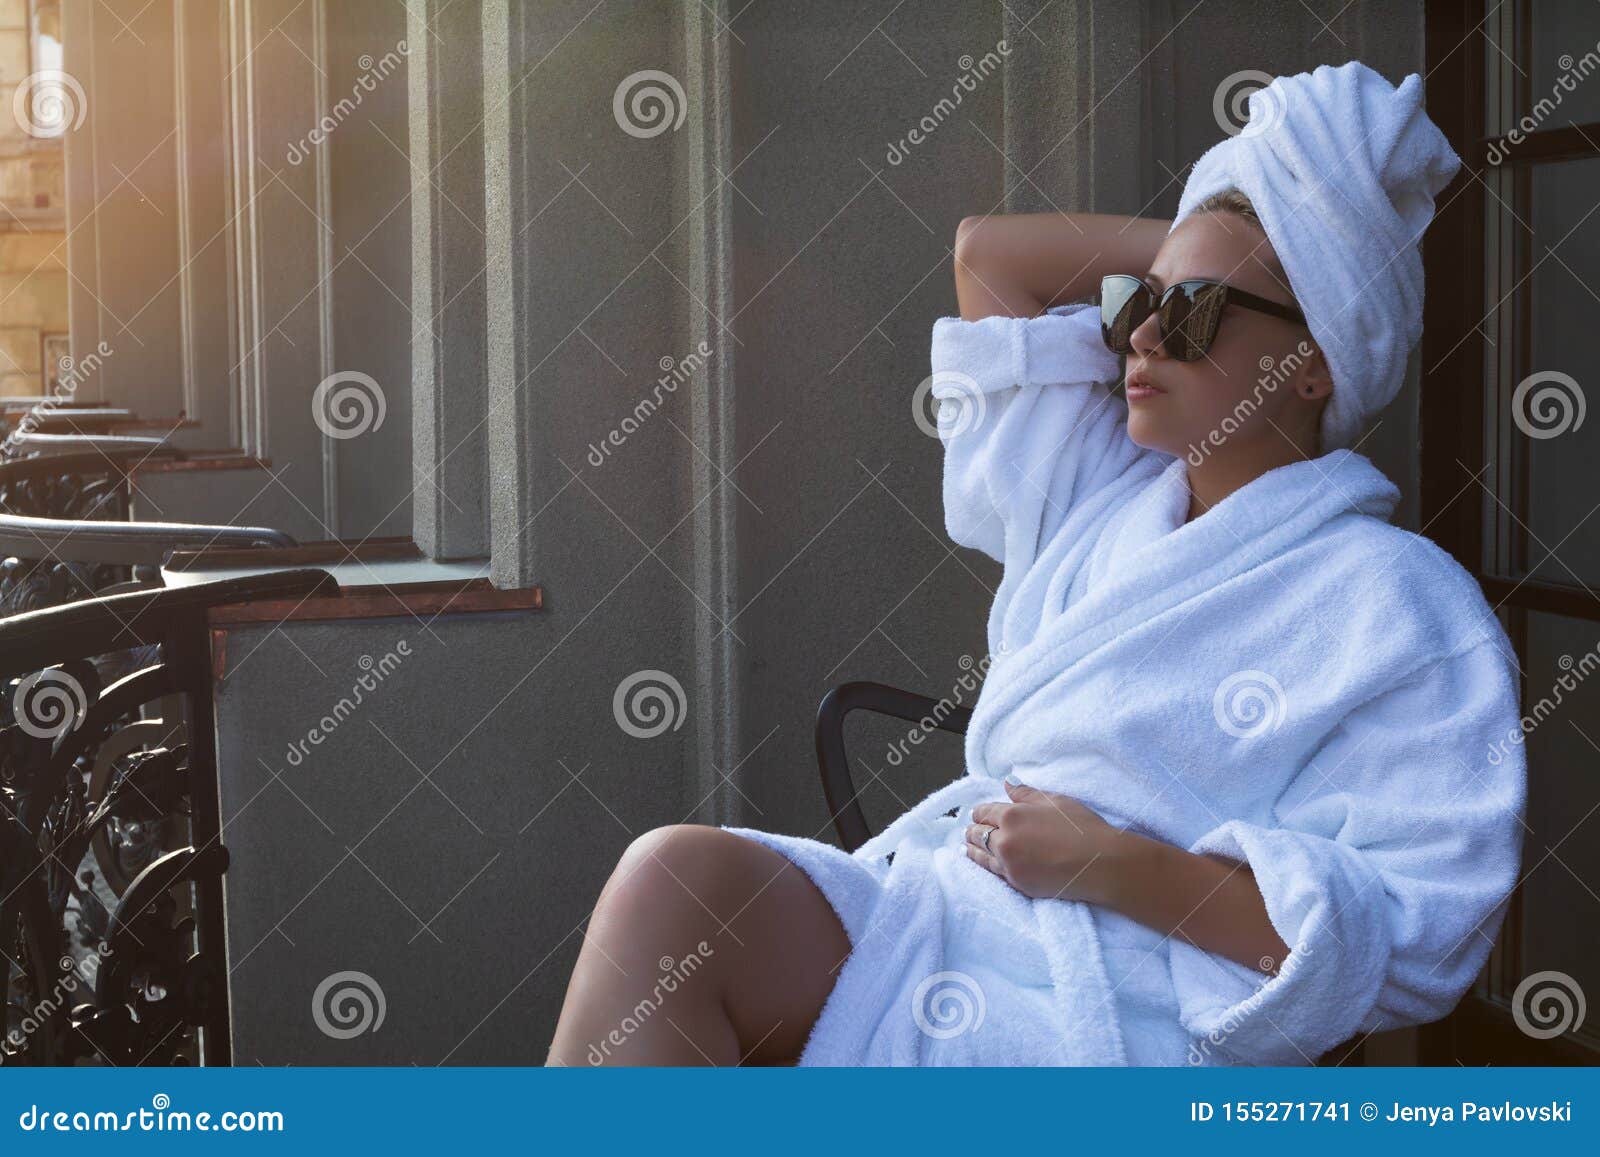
(704, 948)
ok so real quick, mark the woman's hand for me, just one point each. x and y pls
(1046, 846)
(1050, 846)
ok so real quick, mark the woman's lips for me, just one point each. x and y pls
(1140, 388)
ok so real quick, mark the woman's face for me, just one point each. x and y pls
(1248, 387)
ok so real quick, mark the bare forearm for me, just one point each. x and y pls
(1019, 265)
(1212, 903)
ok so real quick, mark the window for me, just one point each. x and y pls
(1513, 268)
(44, 36)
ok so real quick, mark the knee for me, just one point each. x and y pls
(666, 863)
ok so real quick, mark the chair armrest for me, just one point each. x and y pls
(834, 762)
(121, 543)
(81, 462)
(54, 444)
(37, 639)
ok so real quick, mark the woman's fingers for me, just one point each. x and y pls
(989, 813)
(985, 860)
(976, 832)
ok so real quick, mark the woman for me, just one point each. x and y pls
(1227, 797)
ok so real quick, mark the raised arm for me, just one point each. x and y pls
(1020, 264)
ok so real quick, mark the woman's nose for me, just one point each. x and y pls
(1146, 337)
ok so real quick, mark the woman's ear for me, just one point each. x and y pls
(1315, 380)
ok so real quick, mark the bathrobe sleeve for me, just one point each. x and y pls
(1029, 427)
(1385, 873)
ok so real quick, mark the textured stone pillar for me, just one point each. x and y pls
(448, 305)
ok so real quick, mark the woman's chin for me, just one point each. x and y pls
(1146, 432)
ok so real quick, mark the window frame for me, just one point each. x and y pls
(1456, 385)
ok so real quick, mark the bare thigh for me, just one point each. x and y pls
(772, 941)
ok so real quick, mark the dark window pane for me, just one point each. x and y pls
(1559, 79)
(1561, 855)
(1549, 439)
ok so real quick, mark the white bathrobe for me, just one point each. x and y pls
(1287, 681)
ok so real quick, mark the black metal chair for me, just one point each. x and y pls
(65, 534)
(838, 787)
(68, 420)
(158, 993)
(106, 758)
(28, 445)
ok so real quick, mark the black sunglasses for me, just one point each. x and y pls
(1188, 312)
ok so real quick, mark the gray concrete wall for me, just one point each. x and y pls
(771, 530)
(430, 838)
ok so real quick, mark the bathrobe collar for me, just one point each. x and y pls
(1157, 560)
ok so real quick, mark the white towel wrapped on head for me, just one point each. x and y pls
(1342, 168)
